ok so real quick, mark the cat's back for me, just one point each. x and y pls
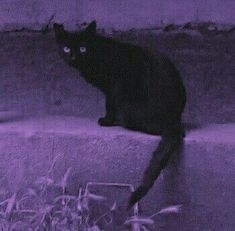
(119, 49)
(128, 54)
(137, 61)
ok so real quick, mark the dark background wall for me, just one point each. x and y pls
(34, 79)
(122, 14)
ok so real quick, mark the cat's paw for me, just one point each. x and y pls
(104, 121)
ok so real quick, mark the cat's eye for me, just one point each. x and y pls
(82, 49)
(66, 49)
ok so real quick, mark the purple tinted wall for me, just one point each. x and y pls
(122, 14)
(133, 13)
(35, 14)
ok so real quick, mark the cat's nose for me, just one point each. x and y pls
(73, 57)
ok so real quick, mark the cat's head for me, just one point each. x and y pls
(75, 46)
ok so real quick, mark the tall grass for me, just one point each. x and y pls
(47, 206)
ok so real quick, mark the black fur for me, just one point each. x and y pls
(144, 92)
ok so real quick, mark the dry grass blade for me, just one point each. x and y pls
(26, 211)
(39, 218)
(53, 164)
(4, 202)
(20, 201)
(143, 221)
(96, 197)
(84, 204)
(10, 206)
(65, 179)
(64, 197)
(167, 210)
(113, 207)
(79, 200)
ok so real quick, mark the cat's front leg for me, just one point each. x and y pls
(109, 118)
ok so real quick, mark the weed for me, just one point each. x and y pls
(33, 211)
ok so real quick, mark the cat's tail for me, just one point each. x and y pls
(169, 144)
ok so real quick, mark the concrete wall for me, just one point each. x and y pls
(122, 14)
(34, 80)
(148, 13)
(34, 14)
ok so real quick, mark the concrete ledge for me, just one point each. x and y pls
(202, 179)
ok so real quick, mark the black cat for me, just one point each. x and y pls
(144, 92)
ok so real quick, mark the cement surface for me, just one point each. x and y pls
(201, 179)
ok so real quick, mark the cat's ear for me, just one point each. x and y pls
(59, 32)
(91, 28)
(58, 28)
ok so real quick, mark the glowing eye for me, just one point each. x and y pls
(82, 49)
(66, 49)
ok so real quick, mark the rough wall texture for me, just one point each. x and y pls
(35, 80)
(123, 14)
(149, 13)
(34, 14)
